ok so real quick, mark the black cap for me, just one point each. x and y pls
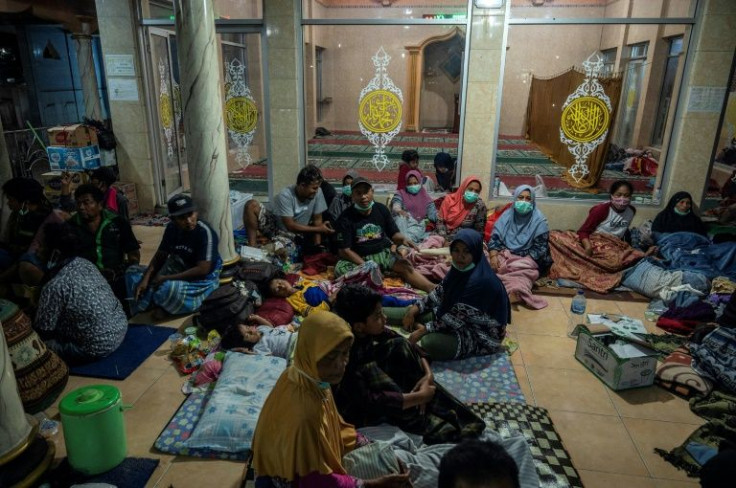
(180, 204)
(360, 181)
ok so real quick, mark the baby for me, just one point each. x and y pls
(259, 336)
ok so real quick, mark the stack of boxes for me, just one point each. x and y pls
(73, 148)
(128, 189)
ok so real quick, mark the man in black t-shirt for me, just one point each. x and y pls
(366, 231)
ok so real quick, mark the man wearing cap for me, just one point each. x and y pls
(185, 268)
(296, 210)
(367, 232)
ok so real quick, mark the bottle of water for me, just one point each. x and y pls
(496, 186)
(577, 312)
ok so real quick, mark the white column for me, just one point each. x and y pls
(204, 126)
(86, 65)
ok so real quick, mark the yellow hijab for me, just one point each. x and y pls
(299, 430)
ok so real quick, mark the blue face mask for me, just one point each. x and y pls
(413, 189)
(323, 385)
(466, 268)
(680, 212)
(523, 207)
(347, 190)
(364, 209)
(470, 196)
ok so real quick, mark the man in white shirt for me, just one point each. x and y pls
(297, 209)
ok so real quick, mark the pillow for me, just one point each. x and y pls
(231, 415)
(276, 310)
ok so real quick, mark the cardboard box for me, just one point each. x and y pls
(73, 158)
(51, 182)
(76, 135)
(108, 157)
(632, 367)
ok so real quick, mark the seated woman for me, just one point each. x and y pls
(678, 216)
(303, 446)
(444, 167)
(471, 307)
(412, 207)
(185, 268)
(598, 253)
(519, 247)
(78, 316)
(344, 200)
(463, 209)
(388, 380)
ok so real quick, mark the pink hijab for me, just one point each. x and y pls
(416, 205)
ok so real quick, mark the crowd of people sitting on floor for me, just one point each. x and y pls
(464, 271)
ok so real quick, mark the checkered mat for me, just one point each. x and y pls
(552, 461)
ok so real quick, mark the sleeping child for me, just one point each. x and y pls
(259, 336)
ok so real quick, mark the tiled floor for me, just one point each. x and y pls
(610, 436)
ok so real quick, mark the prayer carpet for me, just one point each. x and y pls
(480, 379)
(551, 459)
(139, 343)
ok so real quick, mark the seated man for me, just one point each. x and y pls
(107, 238)
(102, 178)
(78, 315)
(186, 266)
(367, 232)
(388, 380)
(296, 210)
(28, 210)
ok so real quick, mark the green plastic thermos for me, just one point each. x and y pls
(94, 431)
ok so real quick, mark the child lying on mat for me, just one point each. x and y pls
(307, 296)
(260, 336)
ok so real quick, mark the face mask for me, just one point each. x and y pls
(323, 385)
(620, 203)
(466, 268)
(470, 196)
(413, 189)
(523, 207)
(680, 212)
(347, 190)
(366, 208)
(23, 210)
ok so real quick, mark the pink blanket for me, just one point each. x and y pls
(518, 276)
(433, 268)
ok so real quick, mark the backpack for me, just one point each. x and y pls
(228, 306)
(258, 273)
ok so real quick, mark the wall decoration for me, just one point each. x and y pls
(586, 117)
(379, 109)
(241, 113)
(165, 110)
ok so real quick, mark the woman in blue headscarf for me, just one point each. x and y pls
(470, 306)
(519, 247)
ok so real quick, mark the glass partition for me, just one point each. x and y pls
(586, 104)
(388, 9)
(601, 9)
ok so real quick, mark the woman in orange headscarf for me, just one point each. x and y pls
(463, 209)
(300, 438)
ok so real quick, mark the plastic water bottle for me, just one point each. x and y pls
(577, 312)
(496, 186)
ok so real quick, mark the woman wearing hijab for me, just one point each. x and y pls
(471, 307)
(519, 247)
(444, 166)
(678, 216)
(303, 447)
(412, 207)
(463, 209)
(598, 253)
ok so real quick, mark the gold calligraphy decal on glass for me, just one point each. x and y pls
(166, 111)
(585, 119)
(241, 115)
(380, 111)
